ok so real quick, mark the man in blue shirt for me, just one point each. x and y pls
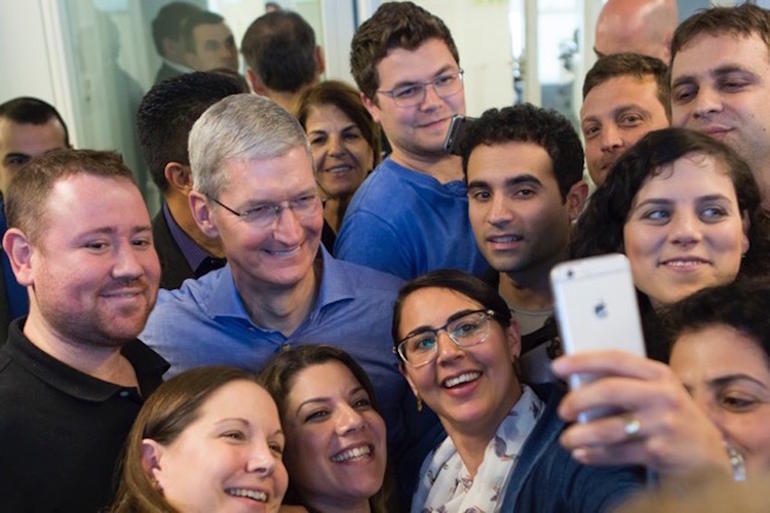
(28, 127)
(253, 187)
(411, 215)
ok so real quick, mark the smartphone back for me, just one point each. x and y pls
(596, 307)
(457, 127)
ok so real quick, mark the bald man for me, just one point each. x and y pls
(636, 26)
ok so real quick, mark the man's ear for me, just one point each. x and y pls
(256, 84)
(20, 251)
(179, 176)
(201, 212)
(320, 62)
(576, 199)
(371, 107)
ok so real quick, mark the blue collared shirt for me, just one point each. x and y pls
(206, 323)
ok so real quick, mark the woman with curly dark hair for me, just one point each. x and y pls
(685, 210)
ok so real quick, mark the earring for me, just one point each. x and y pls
(419, 403)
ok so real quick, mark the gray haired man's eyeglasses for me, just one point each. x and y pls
(266, 214)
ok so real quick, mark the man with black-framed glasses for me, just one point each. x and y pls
(253, 189)
(410, 216)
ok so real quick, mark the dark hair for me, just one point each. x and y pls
(458, 281)
(635, 65)
(32, 111)
(393, 25)
(193, 20)
(167, 113)
(347, 99)
(168, 23)
(278, 377)
(280, 48)
(243, 86)
(168, 411)
(744, 20)
(527, 123)
(25, 200)
(741, 305)
(600, 229)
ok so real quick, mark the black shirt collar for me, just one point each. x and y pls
(148, 365)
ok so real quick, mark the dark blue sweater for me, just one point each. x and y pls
(546, 479)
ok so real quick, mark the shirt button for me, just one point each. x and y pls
(124, 393)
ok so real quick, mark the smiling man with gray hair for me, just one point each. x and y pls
(253, 188)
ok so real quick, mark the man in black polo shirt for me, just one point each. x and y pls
(72, 374)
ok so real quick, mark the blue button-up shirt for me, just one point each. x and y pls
(206, 323)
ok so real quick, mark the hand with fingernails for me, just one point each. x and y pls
(659, 425)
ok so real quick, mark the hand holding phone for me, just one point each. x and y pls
(596, 309)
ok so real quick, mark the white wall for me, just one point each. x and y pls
(24, 56)
(484, 43)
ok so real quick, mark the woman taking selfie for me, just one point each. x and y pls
(458, 346)
(335, 436)
(208, 440)
(344, 140)
(719, 341)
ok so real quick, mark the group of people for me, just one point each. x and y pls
(310, 325)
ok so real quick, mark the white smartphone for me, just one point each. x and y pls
(596, 309)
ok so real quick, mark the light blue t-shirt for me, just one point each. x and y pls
(407, 223)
